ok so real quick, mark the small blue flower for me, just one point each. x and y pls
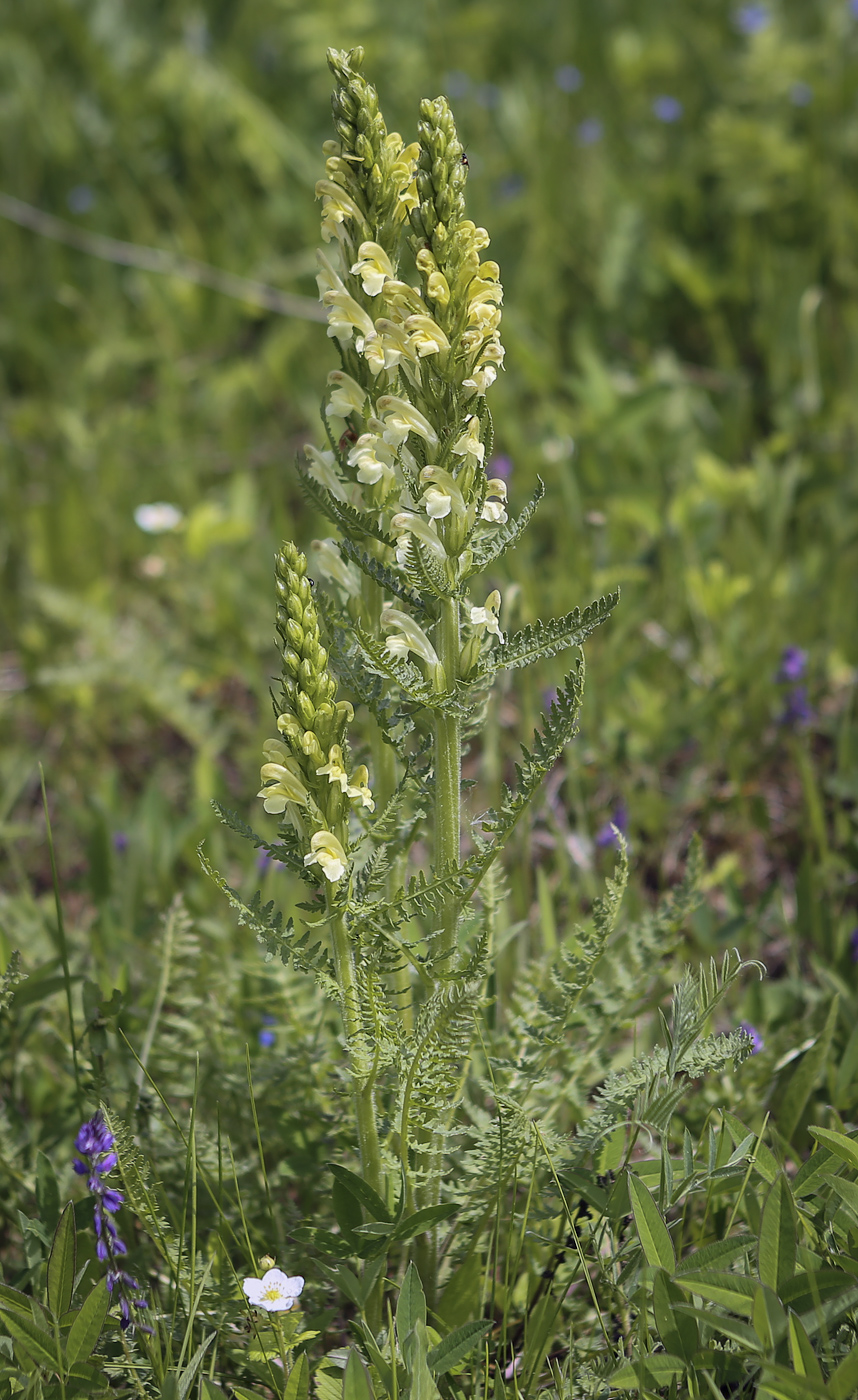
(457, 84)
(120, 841)
(80, 199)
(267, 1039)
(757, 1042)
(801, 94)
(750, 19)
(590, 132)
(793, 662)
(667, 109)
(853, 937)
(568, 78)
(488, 95)
(509, 186)
(853, 8)
(606, 836)
(500, 466)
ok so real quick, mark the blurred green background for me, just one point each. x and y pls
(671, 193)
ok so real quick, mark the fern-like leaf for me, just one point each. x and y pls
(506, 536)
(541, 639)
(340, 513)
(10, 980)
(386, 578)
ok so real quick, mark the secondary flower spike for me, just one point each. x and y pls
(96, 1143)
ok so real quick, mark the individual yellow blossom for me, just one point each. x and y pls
(322, 470)
(438, 288)
(494, 510)
(359, 787)
(334, 769)
(282, 778)
(487, 617)
(390, 345)
(469, 445)
(348, 396)
(373, 267)
(327, 852)
(407, 523)
(330, 563)
(373, 459)
(427, 336)
(481, 379)
(328, 278)
(345, 317)
(336, 206)
(409, 636)
(401, 418)
(442, 495)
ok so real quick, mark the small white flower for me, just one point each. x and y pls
(158, 518)
(359, 787)
(409, 636)
(373, 459)
(469, 445)
(328, 560)
(488, 616)
(275, 1291)
(406, 523)
(401, 418)
(348, 396)
(373, 267)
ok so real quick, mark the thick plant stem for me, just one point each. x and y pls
(364, 1091)
(448, 770)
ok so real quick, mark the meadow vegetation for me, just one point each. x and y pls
(633, 1163)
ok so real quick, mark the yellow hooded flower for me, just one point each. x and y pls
(326, 852)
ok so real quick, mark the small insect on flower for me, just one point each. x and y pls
(275, 1291)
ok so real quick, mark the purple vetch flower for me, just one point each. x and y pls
(120, 841)
(757, 1042)
(549, 697)
(667, 109)
(95, 1143)
(853, 937)
(590, 132)
(606, 836)
(801, 94)
(853, 8)
(568, 78)
(750, 19)
(500, 466)
(797, 711)
(793, 662)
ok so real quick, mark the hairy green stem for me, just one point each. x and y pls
(448, 770)
(364, 1091)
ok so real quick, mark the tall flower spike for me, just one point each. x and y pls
(95, 1143)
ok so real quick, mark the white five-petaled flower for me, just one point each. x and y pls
(488, 616)
(373, 267)
(326, 852)
(158, 518)
(275, 1291)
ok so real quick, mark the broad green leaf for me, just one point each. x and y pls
(212, 1391)
(61, 1263)
(807, 1177)
(799, 1088)
(777, 1244)
(356, 1382)
(838, 1143)
(347, 1210)
(679, 1333)
(461, 1297)
(423, 1220)
(369, 1199)
(411, 1305)
(823, 1317)
(846, 1190)
(721, 1252)
(654, 1234)
(189, 1375)
(457, 1345)
(782, 1384)
(654, 1370)
(843, 1381)
(734, 1291)
(36, 1341)
(14, 1300)
(241, 1394)
(86, 1328)
(298, 1384)
(764, 1159)
(47, 1193)
(802, 1355)
(725, 1324)
(768, 1317)
(415, 1351)
(169, 1388)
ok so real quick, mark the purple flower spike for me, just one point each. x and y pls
(798, 711)
(95, 1142)
(606, 836)
(757, 1042)
(853, 937)
(793, 662)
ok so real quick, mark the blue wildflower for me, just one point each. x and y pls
(606, 836)
(509, 186)
(590, 132)
(853, 8)
(750, 19)
(267, 1039)
(120, 841)
(667, 109)
(500, 466)
(457, 84)
(80, 199)
(853, 937)
(801, 94)
(797, 711)
(568, 78)
(95, 1143)
(793, 662)
(757, 1042)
